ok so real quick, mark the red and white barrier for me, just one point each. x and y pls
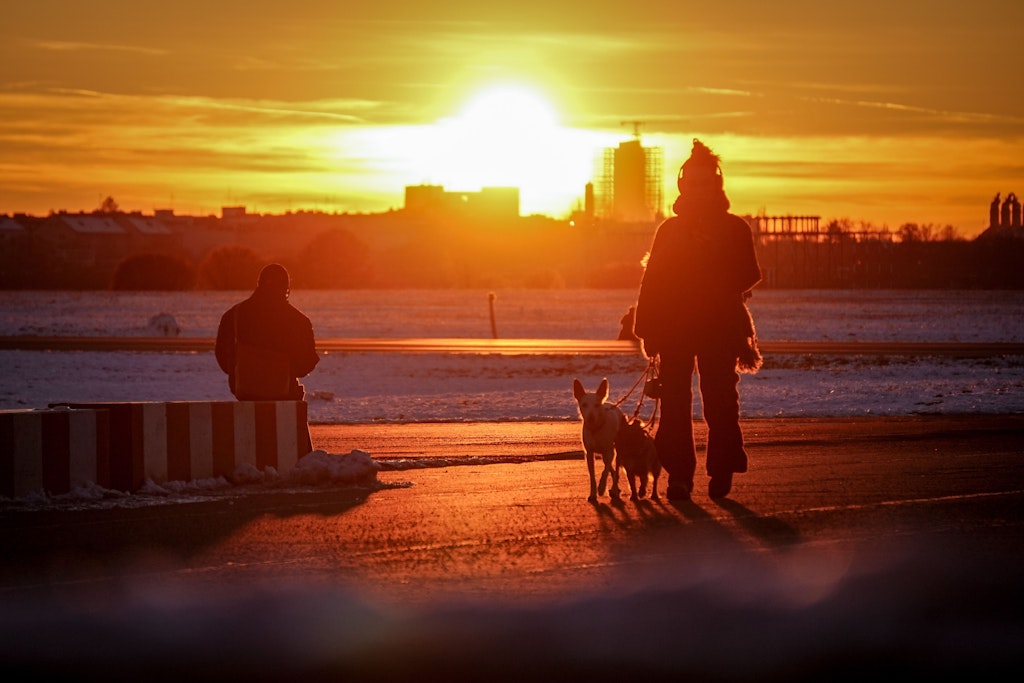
(188, 440)
(53, 450)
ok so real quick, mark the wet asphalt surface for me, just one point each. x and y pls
(520, 527)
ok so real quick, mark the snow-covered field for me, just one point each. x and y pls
(437, 387)
(396, 387)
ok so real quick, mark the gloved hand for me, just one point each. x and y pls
(651, 347)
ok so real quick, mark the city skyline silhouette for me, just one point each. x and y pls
(881, 113)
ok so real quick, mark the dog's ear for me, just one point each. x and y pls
(602, 389)
(577, 389)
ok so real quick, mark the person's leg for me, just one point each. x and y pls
(674, 436)
(720, 396)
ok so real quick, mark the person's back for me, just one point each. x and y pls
(700, 268)
(691, 317)
(264, 343)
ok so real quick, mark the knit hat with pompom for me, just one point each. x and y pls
(700, 181)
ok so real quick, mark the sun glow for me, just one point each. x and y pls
(511, 136)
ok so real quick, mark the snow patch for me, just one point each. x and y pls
(356, 467)
(316, 469)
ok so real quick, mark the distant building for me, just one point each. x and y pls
(88, 240)
(589, 206)
(150, 234)
(629, 183)
(498, 203)
(15, 259)
(424, 197)
(1004, 219)
(788, 226)
(146, 225)
(80, 248)
(10, 228)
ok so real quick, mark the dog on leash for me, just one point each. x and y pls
(636, 453)
(601, 424)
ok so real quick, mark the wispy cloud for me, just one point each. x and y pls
(942, 114)
(829, 86)
(69, 46)
(721, 91)
(254, 63)
(333, 110)
(328, 110)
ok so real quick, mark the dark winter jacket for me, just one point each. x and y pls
(694, 286)
(269, 321)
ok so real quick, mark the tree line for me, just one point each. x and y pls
(532, 252)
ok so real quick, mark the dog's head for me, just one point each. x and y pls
(591, 405)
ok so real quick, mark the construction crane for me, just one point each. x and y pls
(636, 127)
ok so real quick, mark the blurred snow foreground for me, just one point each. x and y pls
(921, 612)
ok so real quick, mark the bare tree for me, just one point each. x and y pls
(912, 232)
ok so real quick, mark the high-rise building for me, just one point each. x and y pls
(629, 182)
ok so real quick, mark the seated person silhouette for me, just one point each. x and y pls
(626, 323)
(265, 344)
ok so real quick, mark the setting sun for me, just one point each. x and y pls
(510, 135)
(511, 109)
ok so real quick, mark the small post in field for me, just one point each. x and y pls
(491, 296)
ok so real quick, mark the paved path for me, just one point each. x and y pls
(522, 527)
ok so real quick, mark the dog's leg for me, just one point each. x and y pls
(611, 467)
(631, 477)
(593, 478)
(655, 471)
(615, 477)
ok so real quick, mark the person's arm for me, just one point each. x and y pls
(306, 357)
(224, 349)
(748, 271)
(646, 322)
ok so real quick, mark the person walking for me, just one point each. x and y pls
(265, 344)
(691, 315)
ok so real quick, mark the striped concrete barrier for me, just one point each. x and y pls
(53, 451)
(188, 440)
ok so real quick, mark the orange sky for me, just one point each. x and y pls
(889, 112)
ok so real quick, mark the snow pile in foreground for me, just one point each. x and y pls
(320, 467)
(316, 469)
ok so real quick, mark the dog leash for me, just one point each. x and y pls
(650, 373)
(642, 378)
(654, 415)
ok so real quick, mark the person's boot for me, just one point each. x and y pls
(720, 485)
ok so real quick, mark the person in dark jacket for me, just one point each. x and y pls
(276, 329)
(691, 315)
